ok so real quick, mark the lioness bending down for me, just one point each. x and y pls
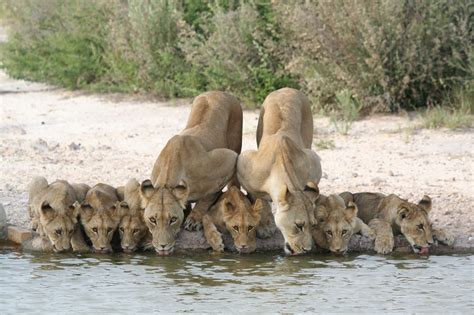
(133, 231)
(100, 214)
(284, 168)
(53, 215)
(389, 215)
(233, 212)
(336, 223)
(194, 166)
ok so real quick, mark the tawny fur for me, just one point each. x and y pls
(390, 215)
(194, 166)
(336, 223)
(53, 215)
(234, 213)
(100, 214)
(284, 169)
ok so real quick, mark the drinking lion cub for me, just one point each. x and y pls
(389, 215)
(133, 231)
(100, 214)
(336, 223)
(53, 215)
(234, 213)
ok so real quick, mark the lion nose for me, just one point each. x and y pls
(243, 246)
(102, 248)
(163, 246)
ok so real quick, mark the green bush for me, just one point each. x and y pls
(384, 54)
(389, 54)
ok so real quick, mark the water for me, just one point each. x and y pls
(259, 283)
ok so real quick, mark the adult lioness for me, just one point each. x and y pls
(336, 223)
(284, 168)
(133, 231)
(53, 215)
(389, 215)
(193, 166)
(100, 214)
(234, 213)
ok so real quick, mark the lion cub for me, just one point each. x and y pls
(53, 215)
(389, 215)
(234, 213)
(336, 223)
(100, 214)
(134, 233)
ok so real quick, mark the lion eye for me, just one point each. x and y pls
(344, 232)
(109, 230)
(173, 219)
(235, 227)
(250, 228)
(152, 220)
(300, 226)
(94, 230)
(136, 231)
(420, 226)
(121, 229)
(329, 233)
(314, 226)
(59, 231)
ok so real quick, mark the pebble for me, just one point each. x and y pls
(73, 146)
(355, 175)
(40, 145)
(390, 173)
(378, 181)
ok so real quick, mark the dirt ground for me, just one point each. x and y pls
(95, 138)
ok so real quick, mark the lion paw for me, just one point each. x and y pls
(370, 235)
(443, 236)
(383, 245)
(192, 224)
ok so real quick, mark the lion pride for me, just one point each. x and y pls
(284, 169)
(194, 166)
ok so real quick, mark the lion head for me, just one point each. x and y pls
(294, 217)
(132, 227)
(52, 207)
(241, 219)
(100, 214)
(164, 213)
(334, 223)
(415, 224)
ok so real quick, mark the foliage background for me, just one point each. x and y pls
(362, 56)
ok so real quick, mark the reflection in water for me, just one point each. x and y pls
(261, 283)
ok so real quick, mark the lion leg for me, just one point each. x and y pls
(213, 236)
(364, 229)
(194, 220)
(384, 240)
(266, 227)
(443, 236)
(78, 243)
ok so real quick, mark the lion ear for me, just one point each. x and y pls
(403, 213)
(181, 192)
(146, 189)
(351, 211)
(229, 207)
(258, 206)
(85, 211)
(46, 211)
(425, 203)
(320, 214)
(283, 197)
(312, 191)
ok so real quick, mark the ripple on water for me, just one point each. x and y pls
(229, 283)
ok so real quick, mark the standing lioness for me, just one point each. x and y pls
(193, 166)
(284, 168)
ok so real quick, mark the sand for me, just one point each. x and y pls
(90, 138)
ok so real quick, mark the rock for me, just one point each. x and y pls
(73, 146)
(355, 175)
(325, 175)
(40, 145)
(3, 223)
(390, 173)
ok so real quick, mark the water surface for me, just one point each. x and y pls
(261, 283)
